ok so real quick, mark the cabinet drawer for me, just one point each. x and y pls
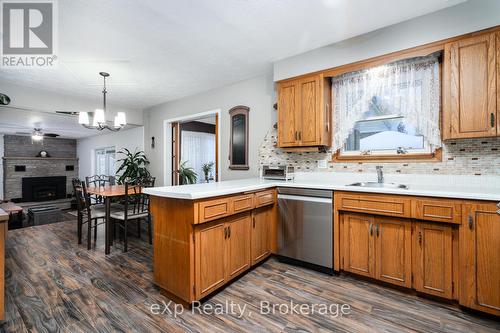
(438, 210)
(376, 204)
(213, 209)
(242, 203)
(264, 198)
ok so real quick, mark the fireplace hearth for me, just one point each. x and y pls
(43, 188)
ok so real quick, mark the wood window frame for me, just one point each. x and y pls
(436, 156)
(239, 110)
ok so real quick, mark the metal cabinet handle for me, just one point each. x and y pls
(377, 230)
(471, 222)
(254, 222)
(492, 119)
(229, 232)
(225, 233)
(371, 229)
(300, 135)
(420, 238)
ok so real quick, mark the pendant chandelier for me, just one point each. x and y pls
(99, 117)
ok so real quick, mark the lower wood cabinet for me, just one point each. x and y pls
(432, 259)
(222, 252)
(378, 247)
(393, 250)
(480, 258)
(261, 233)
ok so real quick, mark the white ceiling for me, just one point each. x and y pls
(159, 50)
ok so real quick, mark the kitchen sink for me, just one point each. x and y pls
(380, 185)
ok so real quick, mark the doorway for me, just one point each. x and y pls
(195, 149)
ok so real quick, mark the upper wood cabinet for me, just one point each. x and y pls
(470, 91)
(479, 253)
(304, 112)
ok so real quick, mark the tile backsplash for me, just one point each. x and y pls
(460, 157)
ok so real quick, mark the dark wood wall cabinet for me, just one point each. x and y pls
(441, 247)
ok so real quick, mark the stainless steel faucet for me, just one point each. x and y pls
(380, 174)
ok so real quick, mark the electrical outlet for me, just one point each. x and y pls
(322, 164)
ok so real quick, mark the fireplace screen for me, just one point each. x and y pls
(43, 188)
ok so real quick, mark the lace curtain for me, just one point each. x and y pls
(409, 88)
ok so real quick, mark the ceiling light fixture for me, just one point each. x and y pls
(99, 118)
(37, 135)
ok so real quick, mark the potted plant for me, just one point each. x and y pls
(207, 168)
(186, 174)
(133, 166)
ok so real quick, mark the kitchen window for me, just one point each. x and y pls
(105, 161)
(388, 111)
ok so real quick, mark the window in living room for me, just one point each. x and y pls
(105, 161)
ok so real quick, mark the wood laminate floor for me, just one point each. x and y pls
(55, 285)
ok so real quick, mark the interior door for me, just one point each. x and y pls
(261, 233)
(287, 110)
(308, 115)
(432, 246)
(473, 87)
(176, 156)
(210, 257)
(359, 244)
(238, 245)
(479, 256)
(393, 250)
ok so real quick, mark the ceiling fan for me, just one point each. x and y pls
(38, 134)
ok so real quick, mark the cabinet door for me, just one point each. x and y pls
(210, 256)
(287, 114)
(359, 244)
(261, 233)
(432, 269)
(309, 97)
(480, 258)
(472, 94)
(393, 250)
(238, 245)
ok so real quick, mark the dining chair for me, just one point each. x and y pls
(87, 213)
(99, 181)
(135, 208)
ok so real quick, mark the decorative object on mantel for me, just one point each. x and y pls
(133, 167)
(4, 99)
(43, 153)
(238, 145)
(99, 117)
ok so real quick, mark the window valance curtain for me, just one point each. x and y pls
(409, 88)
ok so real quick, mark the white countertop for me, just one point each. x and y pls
(444, 186)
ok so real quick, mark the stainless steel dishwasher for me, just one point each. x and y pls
(305, 227)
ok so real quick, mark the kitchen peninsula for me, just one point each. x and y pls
(427, 237)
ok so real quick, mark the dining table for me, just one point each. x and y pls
(108, 192)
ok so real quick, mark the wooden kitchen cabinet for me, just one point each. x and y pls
(261, 233)
(480, 258)
(237, 245)
(377, 247)
(210, 257)
(470, 89)
(358, 244)
(222, 252)
(304, 118)
(432, 252)
(393, 250)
